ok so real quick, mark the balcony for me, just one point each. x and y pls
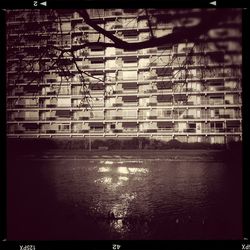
(97, 118)
(51, 92)
(233, 130)
(152, 104)
(217, 130)
(130, 104)
(63, 114)
(116, 117)
(51, 118)
(31, 131)
(84, 118)
(151, 130)
(118, 91)
(188, 117)
(152, 117)
(19, 131)
(165, 103)
(189, 130)
(130, 130)
(130, 117)
(20, 118)
(50, 105)
(168, 130)
(150, 91)
(164, 117)
(117, 130)
(19, 105)
(96, 87)
(225, 116)
(18, 92)
(96, 130)
(190, 103)
(120, 104)
(63, 131)
(50, 131)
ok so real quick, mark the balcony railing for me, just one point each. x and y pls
(19, 131)
(150, 130)
(188, 117)
(152, 117)
(133, 130)
(118, 104)
(189, 130)
(51, 118)
(152, 104)
(96, 130)
(129, 117)
(19, 118)
(117, 117)
(82, 118)
(169, 130)
(50, 105)
(50, 131)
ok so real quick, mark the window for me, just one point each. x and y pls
(66, 26)
(64, 102)
(192, 125)
(164, 98)
(31, 115)
(131, 35)
(129, 85)
(164, 85)
(164, 72)
(130, 114)
(130, 62)
(130, 98)
(63, 127)
(129, 75)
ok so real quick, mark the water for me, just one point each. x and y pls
(150, 199)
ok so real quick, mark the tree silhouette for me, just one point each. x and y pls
(41, 44)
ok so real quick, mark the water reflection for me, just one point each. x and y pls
(123, 170)
(120, 210)
(137, 170)
(123, 178)
(149, 198)
(115, 180)
(104, 180)
(104, 169)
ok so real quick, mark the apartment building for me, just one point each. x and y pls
(185, 91)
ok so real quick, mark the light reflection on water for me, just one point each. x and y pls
(114, 178)
(147, 198)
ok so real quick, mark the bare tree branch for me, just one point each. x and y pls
(149, 24)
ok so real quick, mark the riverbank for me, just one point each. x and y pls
(108, 156)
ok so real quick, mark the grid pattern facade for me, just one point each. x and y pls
(186, 91)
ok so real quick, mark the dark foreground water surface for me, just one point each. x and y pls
(72, 198)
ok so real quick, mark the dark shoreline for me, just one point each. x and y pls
(134, 155)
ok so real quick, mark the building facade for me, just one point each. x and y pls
(185, 91)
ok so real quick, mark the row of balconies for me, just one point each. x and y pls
(205, 57)
(126, 130)
(229, 83)
(124, 105)
(118, 64)
(171, 95)
(168, 77)
(117, 117)
(119, 90)
(108, 14)
(121, 23)
(73, 93)
(107, 67)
